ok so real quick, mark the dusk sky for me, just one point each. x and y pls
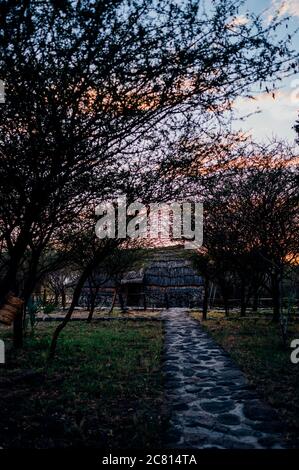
(277, 116)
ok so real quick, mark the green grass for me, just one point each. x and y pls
(256, 346)
(103, 389)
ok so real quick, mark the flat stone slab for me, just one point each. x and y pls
(212, 405)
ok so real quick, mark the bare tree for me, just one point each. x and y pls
(87, 80)
(251, 223)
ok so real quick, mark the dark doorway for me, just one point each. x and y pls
(134, 298)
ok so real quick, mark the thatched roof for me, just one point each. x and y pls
(163, 268)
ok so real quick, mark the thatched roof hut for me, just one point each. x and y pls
(167, 279)
(164, 278)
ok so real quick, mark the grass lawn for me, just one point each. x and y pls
(256, 346)
(104, 388)
(83, 313)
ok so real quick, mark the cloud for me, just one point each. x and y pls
(286, 99)
(276, 115)
(238, 21)
(286, 7)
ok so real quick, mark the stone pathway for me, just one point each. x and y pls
(212, 405)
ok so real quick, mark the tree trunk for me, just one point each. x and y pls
(18, 329)
(45, 296)
(243, 299)
(113, 302)
(121, 301)
(76, 296)
(255, 301)
(224, 290)
(92, 304)
(75, 300)
(226, 305)
(205, 299)
(276, 294)
(9, 282)
(28, 288)
(276, 300)
(63, 299)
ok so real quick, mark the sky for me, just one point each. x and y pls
(277, 116)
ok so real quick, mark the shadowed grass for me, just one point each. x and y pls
(104, 388)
